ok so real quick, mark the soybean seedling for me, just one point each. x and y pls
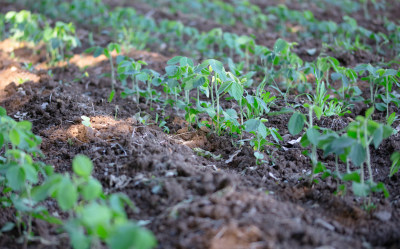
(311, 135)
(86, 121)
(59, 40)
(260, 132)
(131, 68)
(97, 51)
(366, 132)
(387, 78)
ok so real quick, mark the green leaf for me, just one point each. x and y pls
(185, 61)
(40, 192)
(111, 97)
(95, 214)
(174, 60)
(218, 67)
(3, 112)
(311, 51)
(357, 154)
(82, 166)
(258, 155)
(78, 239)
(339, 145)
(281, 46)
(130, 235)
(226, 85)
(353, 176)
(262, 130)
(199, 81)
(304, 142)
(296, 123)
(142, 76)
(14, 137)
(360, 189)
(106, 52)
(67, 194)
(118, 202)
(30, 172)
(252, 125)
(318, 111)
(380, 187)
(277, 137)
(1, 141)
(389, 72)
(313, 135)
(25, 125)
(171, 70)
(380, 106)
(86, 121)
(377, 136)
(391, 119)
(236, 91)
(231, 115)
(395, 158)
(114, 46)
(92, 190)
(369, 112)
(7, 227)
(15, 178)
(319, 168)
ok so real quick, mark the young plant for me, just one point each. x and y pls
(97, 51)
(387, 78)
(133, 69)
(219, 84)
(366, 131)
(24, 26)
(260, 132)
(371, 78)
(60, 40)
(349, 92)
(19, 173)
(311, 135)
(380, 77)
(94, 216)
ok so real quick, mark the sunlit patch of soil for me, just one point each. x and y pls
(102, 127)
(16, 75)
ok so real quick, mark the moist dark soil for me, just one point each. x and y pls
(188, 200)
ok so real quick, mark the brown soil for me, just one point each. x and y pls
(190, 201)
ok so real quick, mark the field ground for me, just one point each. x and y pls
(187, 199)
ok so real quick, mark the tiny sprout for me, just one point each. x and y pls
(86, 121)
(70, 142)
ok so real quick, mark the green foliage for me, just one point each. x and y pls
(59, 40)
(353, 146)
(396, 163)
(97, 51)
(197, 89)
(94, 217)
(260, 132)
(86, 121)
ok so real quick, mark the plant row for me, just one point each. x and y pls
(25, 26)
(282, 70)
(348, 35)
(132, 29)
(281, 67)
(199, 90)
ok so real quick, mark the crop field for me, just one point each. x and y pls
(203, 124)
